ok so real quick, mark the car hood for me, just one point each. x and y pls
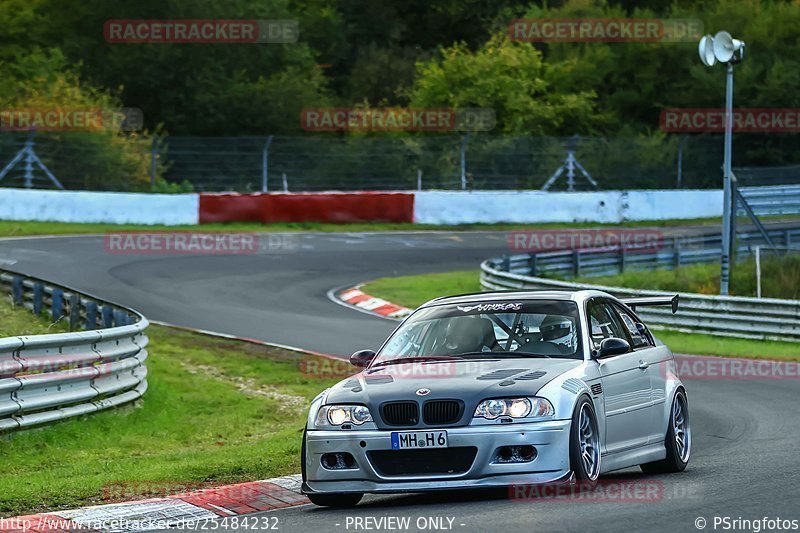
(468, 380)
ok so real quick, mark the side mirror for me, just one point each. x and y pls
(362, 358)
(613, 346)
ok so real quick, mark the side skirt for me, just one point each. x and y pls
(635, 457)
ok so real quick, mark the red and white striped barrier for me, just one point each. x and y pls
(419, 207)
(357, 298)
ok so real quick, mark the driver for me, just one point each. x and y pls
(559, 330)
(468, 335)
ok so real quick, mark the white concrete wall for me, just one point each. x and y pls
(465, 207)
(102, 207)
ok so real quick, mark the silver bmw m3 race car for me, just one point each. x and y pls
(499, 389)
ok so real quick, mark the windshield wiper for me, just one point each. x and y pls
(502, 354)
(421, 359)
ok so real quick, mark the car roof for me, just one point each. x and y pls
(499, 296)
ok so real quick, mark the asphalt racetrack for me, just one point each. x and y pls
(745, 460)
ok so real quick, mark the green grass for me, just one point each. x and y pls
(780, 278)
(217, 411)
(18, 228)
(12, 228)
(412, 291)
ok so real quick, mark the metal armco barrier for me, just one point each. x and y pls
(670, 252)
(756, 318)
(752, 318)
(47, 378)
(775, 200)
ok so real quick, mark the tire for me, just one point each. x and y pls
(327, 500)
(336, 500)
(678, 448)
(584, 443)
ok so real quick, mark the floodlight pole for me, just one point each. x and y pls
(727, 204)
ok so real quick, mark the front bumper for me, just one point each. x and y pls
(550, 438)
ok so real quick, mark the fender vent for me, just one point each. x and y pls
(597, 389)
(573, 385)
(503, 373)
(531, 375)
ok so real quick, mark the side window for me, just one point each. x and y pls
(603, 323)
(638, 339)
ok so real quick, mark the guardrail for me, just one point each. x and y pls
(670, 252)
(773, 200)
(756, 318)
(752, 318)
(47, 378)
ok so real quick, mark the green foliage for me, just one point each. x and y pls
(100, 159)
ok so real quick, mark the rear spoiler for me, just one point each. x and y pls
(652, 300)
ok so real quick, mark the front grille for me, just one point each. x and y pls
(439, 412)
(400, 413)
(422, 462)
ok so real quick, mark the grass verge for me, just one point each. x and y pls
(12, 228)
(413, 291)
(780, 278)
(217, 411)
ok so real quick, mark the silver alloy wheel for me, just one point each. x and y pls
(589, 439)
(680, 427)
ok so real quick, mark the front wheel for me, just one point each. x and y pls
(336, 500)
(584, 443)
(678, 441)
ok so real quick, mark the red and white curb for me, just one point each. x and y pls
(207, 505)
(357, 298)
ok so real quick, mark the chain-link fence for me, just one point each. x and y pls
(314, 163)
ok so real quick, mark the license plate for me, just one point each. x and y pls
(404, 440)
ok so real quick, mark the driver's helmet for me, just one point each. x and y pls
(463, 335)
(559, 330)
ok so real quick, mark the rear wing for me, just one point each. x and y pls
(652, 300)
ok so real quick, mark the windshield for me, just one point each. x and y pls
(542, 328)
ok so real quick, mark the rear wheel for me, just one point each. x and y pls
(584, 443)
(678, 441)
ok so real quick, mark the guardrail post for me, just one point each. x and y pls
(677, 247)
(74, 311)
(532, 266)
(576, 263)
(38, 293)
(788, 238)
(622, 258)
(120, 318)
(107, 312)
(58, 304)
(506, 264)
(91, 315)
(16, 290)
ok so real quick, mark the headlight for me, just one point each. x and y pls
(514, 408)
(337, 415)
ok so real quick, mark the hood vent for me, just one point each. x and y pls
(503, 373)
(536, 374)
